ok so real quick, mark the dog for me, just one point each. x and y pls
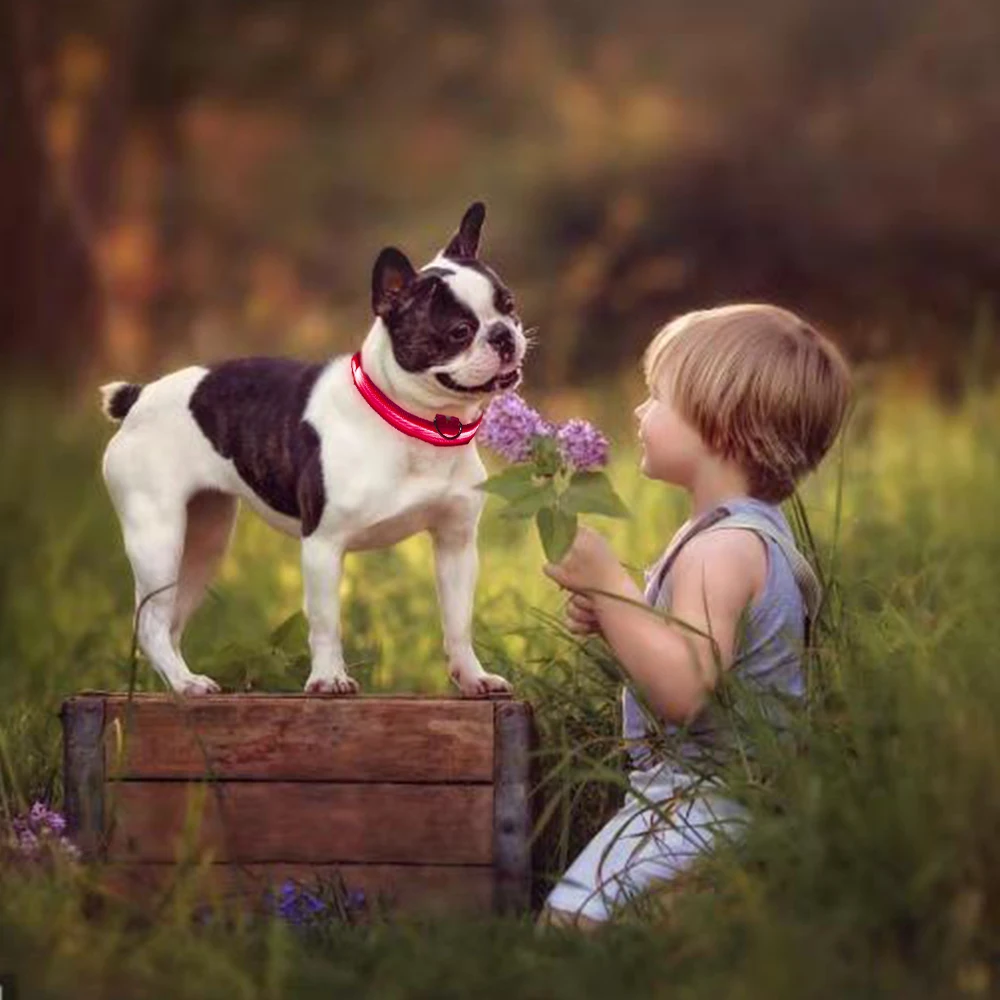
(326, 452)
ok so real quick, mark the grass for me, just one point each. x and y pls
(870, 867)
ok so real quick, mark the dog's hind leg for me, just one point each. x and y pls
(153, 532)
(211, 516)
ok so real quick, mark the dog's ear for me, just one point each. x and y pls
(465, 243)
(392, 273)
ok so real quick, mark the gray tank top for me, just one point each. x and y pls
(771, 652)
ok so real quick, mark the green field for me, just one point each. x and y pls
(871, 867)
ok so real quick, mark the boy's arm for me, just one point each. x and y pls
(713, 579)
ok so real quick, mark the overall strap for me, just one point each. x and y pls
(805, 576)
(702, 523)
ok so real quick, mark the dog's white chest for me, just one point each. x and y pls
(412, 506)
(393, 529)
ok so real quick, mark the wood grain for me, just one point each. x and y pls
(396, 888)
(305, 821)
(83, 770)
(300, 738)
(512, 807)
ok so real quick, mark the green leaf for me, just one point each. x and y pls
(557, 529)
(511, 484)
(592, 493)
(529, 504)
(546, 454)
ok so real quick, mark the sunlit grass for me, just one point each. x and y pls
(871, 863)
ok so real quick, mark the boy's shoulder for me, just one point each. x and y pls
(729, 559)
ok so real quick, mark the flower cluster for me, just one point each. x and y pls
(582, 445)
(510, 426)
(303, 908)
(40, 833)
(555, 472)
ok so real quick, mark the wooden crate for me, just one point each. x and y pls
(420, 802)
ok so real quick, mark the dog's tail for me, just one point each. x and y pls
(117, 398)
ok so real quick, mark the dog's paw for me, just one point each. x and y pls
(338, 684)
(482, 685)
(198, 684)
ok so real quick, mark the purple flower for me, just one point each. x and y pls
(582, 445)
(509, 425)
(312, 903)
(310, 909)
(40, 828)
(295, 905)
(28, 842)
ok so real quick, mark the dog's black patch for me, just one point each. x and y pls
(251, 410)
(427, 323)
(311, 492)
(123, 400)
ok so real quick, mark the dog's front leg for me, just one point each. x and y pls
(456, 566)
(322, 564)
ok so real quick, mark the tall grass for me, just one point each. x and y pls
(870, 863)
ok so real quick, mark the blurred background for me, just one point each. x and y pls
(192, 179)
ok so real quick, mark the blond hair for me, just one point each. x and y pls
(760, 385)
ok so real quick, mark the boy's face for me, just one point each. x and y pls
(671, 447)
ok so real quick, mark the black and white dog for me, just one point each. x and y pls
(304, 447)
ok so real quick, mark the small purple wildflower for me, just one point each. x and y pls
(28, 842)
(509, 425)
(39, 829)
(302, 908)
(582, 445)
(297, 906)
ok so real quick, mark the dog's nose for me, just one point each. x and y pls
(500, 338)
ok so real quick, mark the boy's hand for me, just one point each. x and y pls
(590, 562)
(581, 616)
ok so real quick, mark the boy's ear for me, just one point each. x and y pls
(391, 276)
(465, 243)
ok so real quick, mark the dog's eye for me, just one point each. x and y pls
(463, 331)
(504, 302)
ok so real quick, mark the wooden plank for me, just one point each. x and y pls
(307, 738)
(512, 814)
(306, 821)
(397, 888)
(83, 769)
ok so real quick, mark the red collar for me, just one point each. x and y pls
(443, 430)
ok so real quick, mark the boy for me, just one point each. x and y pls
(744, 401)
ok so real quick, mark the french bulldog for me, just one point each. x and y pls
(356, 453)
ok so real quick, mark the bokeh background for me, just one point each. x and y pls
(192, 179)
(186, 180)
